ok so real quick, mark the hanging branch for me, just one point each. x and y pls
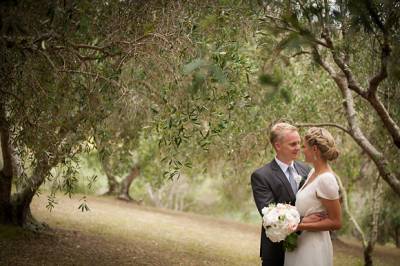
(325, 125)
(345, 204)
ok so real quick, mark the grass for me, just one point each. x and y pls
(119, 233)
(12, 232)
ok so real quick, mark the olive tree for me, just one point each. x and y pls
(60, 63)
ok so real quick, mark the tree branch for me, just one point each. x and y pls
(369, 95)
(91, 47)
(97, 75)
(48, 59)
(374, 15)
(12, 94)
(346, 208)
(379, 77)
(324, 64)
(325, 125)
(379, 159)
(286, 28)
(352, 83)
(356, 133)
(390, 124)
(300, 53)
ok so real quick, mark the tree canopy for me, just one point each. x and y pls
(162, 89)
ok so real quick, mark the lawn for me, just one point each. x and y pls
(119, 233)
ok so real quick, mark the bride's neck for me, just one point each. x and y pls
(321, 166)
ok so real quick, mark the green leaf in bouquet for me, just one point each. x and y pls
(290, 242)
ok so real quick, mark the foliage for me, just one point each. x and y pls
(347, 39)
(185, 90)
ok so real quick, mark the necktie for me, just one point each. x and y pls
(293, 183)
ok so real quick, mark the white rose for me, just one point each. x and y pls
(297, 178)
(279, 220)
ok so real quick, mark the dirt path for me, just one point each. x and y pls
(119, 233)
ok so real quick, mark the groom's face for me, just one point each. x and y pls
(288, 148)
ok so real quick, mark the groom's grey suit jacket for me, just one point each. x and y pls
(270, 185)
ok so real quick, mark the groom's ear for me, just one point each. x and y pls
(276, 145)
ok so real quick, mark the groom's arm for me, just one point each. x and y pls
(262, 193)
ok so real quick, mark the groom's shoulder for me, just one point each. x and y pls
(304, 166)
(263, 170)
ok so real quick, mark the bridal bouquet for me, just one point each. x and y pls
(279, 220)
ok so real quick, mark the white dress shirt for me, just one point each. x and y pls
(285, 167)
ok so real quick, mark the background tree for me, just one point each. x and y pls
(337, 35)
(59, 61)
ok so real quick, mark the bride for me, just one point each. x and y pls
(320, 193)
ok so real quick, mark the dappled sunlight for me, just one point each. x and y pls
(185, 232)
(173, 236)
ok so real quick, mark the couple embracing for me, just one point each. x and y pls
(316, 197)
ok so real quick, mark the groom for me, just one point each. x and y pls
(275, 183)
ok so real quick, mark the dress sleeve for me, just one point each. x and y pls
(328, 187)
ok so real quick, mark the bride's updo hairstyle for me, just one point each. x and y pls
(324, 142)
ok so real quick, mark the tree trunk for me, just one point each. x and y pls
(154, 196)
(113, 185)
(15, 210)
(126, 183)
(104, 158)
(22, 216)
(20, 202)
(5, 194)
(368, 255)
(376, 207)
(17, 168)
(397, 237)
(6, 173)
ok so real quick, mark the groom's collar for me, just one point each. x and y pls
(283, 165)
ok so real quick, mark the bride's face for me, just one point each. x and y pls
(309, 152)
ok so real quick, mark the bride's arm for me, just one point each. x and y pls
(333, 221)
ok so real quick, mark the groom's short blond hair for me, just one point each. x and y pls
(278, 131)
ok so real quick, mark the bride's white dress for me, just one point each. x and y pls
(314, 248)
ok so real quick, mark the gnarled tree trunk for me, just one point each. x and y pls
(21, 213)
(14, 209)
(113, 185)
(5, 193)
(119, 189)
(7, 172)
(126, 183)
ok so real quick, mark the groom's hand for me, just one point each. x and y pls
(314, 217)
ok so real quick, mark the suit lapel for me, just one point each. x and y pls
(282, 177)
(302, 172)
